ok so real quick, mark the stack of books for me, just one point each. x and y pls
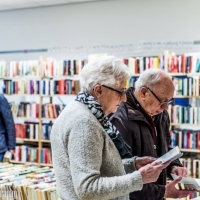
(27, 182)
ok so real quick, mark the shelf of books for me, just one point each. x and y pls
(184, 113)
(30, 87)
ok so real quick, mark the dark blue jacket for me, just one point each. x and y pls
(7, 128)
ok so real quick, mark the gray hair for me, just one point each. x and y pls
(107, 70)
(150, 77)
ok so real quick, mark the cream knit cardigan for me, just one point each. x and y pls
(86, 162)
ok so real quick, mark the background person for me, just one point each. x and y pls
(7, 128)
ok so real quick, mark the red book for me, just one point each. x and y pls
(16, 88)
(22, 131)
(16, 130)
(37, 111)
(61, 85)
(198, 140)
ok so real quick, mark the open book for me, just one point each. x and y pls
(171, 155)
(188, 183)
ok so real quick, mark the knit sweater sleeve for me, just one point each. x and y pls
(129, 164)
(85, 147)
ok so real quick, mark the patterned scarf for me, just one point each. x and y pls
(96, 109)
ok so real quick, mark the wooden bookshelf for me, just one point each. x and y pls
(48, 119)
(46, 141)
(174, 74)
(181, 96)
(26, 140)
(177, 124)
(191, 150)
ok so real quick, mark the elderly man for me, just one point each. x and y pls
(144, 124)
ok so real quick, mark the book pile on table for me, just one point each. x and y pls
(27, 182)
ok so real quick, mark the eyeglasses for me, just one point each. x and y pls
(119, 92)
(161, 102)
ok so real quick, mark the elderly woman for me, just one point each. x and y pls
(88, 152)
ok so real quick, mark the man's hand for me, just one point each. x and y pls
(179, 171)
(172, 192)
(151, 172)
(142, 161)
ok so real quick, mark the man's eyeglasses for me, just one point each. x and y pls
(119, 92)
(161, 102)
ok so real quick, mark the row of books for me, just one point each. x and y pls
(25, 109)
(46, 68)
(49, 87)
(31, 154)
(186, 63)
(52, 67)
(63, 86)
(185, 139)
(20, 87)
(184, 114)
(192, 165)
(51, 110)
(31, 110)
(189, 86)
(27, 130)
(30, 130)
(27, 182)
(21, 68)
(168, 62)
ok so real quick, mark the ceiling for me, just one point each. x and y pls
(22, 4)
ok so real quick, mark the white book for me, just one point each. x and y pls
(131, 65)
(189, 183)
(171, 155)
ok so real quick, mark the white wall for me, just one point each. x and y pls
(98, 23)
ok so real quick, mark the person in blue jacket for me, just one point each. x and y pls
(7, 128)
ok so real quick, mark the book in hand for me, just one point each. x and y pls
(171, 155)
(187, 183)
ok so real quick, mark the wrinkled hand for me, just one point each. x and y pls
(172, 192)
(179, 171)
(151, 172)
(142, 161)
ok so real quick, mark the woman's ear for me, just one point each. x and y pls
(97, 91)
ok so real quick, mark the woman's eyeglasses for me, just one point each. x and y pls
(119, 92)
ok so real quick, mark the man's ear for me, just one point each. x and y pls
(143, 92)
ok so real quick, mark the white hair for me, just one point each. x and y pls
(107, 70)
(150, 77)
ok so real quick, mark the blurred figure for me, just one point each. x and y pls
(7, 128)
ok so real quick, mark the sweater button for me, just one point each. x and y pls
(154, 146)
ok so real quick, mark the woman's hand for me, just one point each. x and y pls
(151, 172)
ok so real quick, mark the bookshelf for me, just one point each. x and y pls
(184, 66)
(41, 81)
